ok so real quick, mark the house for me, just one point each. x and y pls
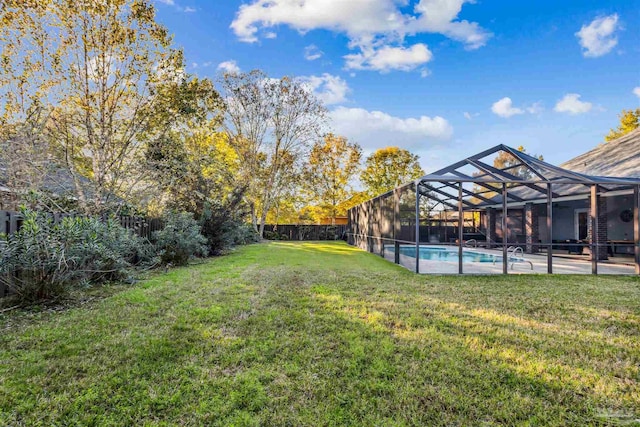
(617, 158)
(48, 177)
(338, 220)
(527, 224)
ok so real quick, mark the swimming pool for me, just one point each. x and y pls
(437, 253)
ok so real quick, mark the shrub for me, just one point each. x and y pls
(328, 233)
(180, 240)
(223, 226)
(45, 259)
(242, 234)
(106, 250)
(271, 235)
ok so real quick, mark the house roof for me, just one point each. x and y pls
(53, 178)
(619, 157)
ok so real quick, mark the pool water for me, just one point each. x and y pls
(434, 253)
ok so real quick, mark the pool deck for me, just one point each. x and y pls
(561, 265)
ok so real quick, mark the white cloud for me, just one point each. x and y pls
(100, 67)
(328, 88)
(270, 35)
(375, 129)
(370, 25)
(311, 53)
(571, 104)
(504, 108)
(469, 116)
(636, 91)
(598, 37)
(535, 108)
(186, 9)
(353, 17)
(439, 16)
(389, 58)
(167, 72)
(229, 67)
(207, 64)
(194, 65)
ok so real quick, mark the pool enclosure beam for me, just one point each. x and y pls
(505, 230)
(477, 195)
(490, 188)
(636, 227)
(460, 227)
(449, 197)
(549, 229)
(504, 176)
(397, 226)
(417, 227)
(593, 214)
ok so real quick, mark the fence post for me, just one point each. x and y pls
(13, 222)
(397, 226)
(4, 221)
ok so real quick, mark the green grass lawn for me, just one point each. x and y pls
(325, 334)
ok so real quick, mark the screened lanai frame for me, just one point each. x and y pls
(471, 185)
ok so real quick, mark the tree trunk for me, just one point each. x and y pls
(254, 218)
(263, 219)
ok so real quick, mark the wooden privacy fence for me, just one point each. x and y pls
(11, 221)
(143, 227)
(304, 232)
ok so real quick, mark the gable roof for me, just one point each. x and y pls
(619, 157)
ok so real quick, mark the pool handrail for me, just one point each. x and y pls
(512, 256)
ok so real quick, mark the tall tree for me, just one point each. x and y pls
(93, 66)
(333, 163)
(629, 120)
(270, 123)
(388, 168)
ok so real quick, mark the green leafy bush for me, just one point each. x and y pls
(328, 233)
(242, 234)
(44, 259)
(223, 226)
(107, 250)
(271, 235)
(274, 235)
(180, 240)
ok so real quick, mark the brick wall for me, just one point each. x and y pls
(532, 233)
(602, 228)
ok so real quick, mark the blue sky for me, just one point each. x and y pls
(442, 78)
